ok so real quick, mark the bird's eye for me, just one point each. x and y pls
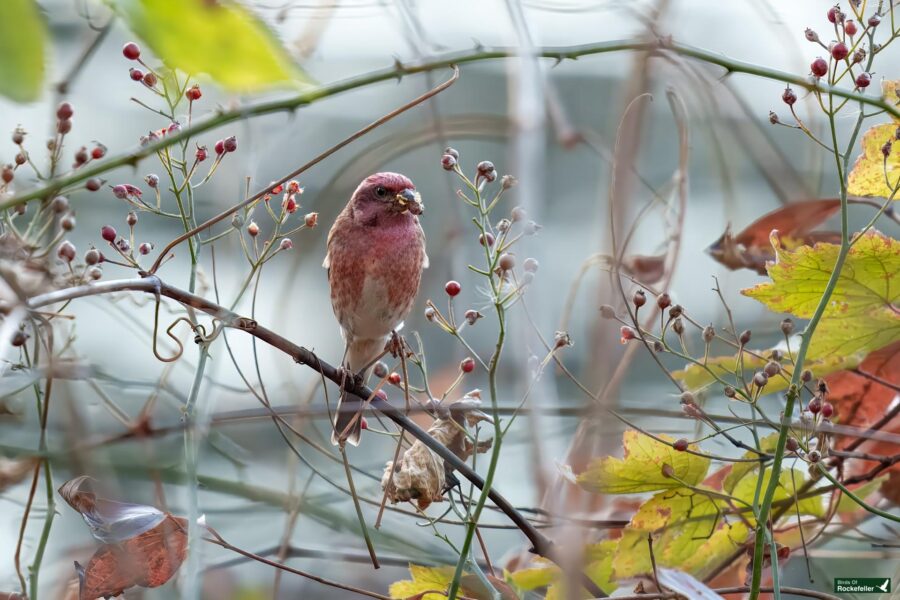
(380, 192)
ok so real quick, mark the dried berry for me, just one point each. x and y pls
(7, 174)
(806, 376)
(607, 311)
(95, 273)
(145, 248)
(311, 219)
(60, 204)
(131, 218)
(67, 223)
(92, 256)
(230, 144)
(792, 445)
(772, 368)
(201, 153)
(863, 80)
(150, 79)
(760, 379)
(530, 265)
(709, 333)
(285, 244)
(448, 162)
(787, 327)
(486, 238)
(663, 301)
(472, 316)
(66, 251)
(680, 444)
(507, 262)
(518, 214)
(639, 298)
(730, 392)
(744, 338)
(484, 168)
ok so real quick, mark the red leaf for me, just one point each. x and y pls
(144, 546)
(148, 560)
(860, 402)
(751, 247)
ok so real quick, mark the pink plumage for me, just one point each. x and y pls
(376, 253)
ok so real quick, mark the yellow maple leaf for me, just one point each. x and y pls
(648, 466)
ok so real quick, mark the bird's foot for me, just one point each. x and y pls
(394, 344)
(350, 379)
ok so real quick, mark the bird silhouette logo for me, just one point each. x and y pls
(884, 586)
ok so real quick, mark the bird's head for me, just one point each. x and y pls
(388, 193)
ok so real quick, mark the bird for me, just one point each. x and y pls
(375, 257)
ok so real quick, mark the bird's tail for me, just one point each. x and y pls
(347, 425)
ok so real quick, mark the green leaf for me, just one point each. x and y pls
(740, 470)
(23, 38)
(789, 482)
(220, 39)
(641, 469)
(599, 559)
(848, 505)
(860, 318)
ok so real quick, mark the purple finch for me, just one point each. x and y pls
(376, 253)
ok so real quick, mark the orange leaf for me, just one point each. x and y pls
(751, 248)
(148, 560)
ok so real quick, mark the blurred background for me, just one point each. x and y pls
(554, 127)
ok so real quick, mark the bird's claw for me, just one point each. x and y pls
(349, 378)
(394, 344)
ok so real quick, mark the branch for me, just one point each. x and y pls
(438, 62)
(152, 284)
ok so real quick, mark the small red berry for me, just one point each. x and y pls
(193, 93)
(131, 51)
(20, 159)
(201, 153)
(64, 111)
(792, 445)
(874, 20)
(67, 223)
(863, 80)
(135, 74)
(819, 67)
(98, 152)
(230, 144)
(467, 365)
(448, 161)
(18, 136)
(850, 28)
(7, 174)
(145, 248)
(814, 406)
(789, 96)
(92, 256)
(680, 444)
(220, 147)
(64, 127)
(452, 288)
(839, 51)
(832, 14)
(253, 229)
(394, 378)
(827, 409)
(278, 189)
(92, 185)
(108, 233)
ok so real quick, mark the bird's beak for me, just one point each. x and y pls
(409, 200)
